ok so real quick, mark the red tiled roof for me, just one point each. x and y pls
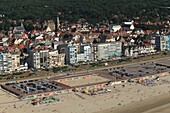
(21, 46)
(1, 48)
(147, 45)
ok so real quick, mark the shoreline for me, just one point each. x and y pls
(150, 105)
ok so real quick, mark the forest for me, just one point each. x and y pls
(92, 10)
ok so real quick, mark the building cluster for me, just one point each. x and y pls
(62, 44)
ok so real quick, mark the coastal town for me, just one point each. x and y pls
(112, 59)
(59, 44)
(92, 56)
(110, 90)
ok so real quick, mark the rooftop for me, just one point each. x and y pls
(85, 81)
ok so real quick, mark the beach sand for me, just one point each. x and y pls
(161, 109)
(157, 104)
(133, 98)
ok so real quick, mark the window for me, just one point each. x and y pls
(41, 60)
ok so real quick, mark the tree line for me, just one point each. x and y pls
(92, 10)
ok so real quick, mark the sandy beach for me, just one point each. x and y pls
(161, 109)
(132, 98)
(157, 104)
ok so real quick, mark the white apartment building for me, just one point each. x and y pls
(10, 63)
(5, 63)
(79, 53)
(107, 50)
(39, 59)
(162, 43)
(71, 54)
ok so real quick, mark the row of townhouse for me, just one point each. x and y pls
(155, 43)
(47, 49)
(37, 59)
(92, 52)
(75, 53)
(45, 59)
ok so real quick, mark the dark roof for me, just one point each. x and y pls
(20, 27)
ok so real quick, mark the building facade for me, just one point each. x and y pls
(61, 59)
(5, 63)
(79, 53)
(39, 59)
(107, 50)
(56, 59)
(71, 54)
(15, 62)
(87, 51)
(162, 43)
(168, 39)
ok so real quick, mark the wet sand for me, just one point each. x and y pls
(157, 104)
(161, 109)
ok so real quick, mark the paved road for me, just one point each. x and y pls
(98, 69)
(154, 60)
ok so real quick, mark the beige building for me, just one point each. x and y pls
(51, 25)
(61, 59)
(15, 62)
(10, 63)
(56, 59)
(53, 56)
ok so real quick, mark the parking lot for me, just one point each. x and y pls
(35, 86)
(141, 69)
